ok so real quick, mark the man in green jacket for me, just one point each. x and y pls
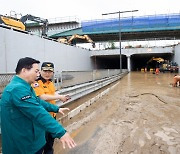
(25, 117)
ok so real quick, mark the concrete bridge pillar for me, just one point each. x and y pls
(129, 63)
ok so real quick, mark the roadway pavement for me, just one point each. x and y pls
(139, 115)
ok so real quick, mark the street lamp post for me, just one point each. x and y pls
(120, 55)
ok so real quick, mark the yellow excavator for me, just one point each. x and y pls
(72, 41)
(159, 60)
(163, 65)
(13, 22)
(154, 63)
(20, 23)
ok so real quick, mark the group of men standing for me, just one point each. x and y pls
(28, 111)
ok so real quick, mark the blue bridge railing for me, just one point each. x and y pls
(130, 24)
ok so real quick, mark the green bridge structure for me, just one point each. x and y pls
(162, 27)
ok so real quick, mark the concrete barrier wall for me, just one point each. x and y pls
(131, 51)
(15, 45)
(177, 54)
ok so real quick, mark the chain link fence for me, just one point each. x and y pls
(5, 78)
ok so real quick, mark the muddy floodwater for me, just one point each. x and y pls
(140, 115)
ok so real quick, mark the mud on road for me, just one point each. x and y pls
(141, 115)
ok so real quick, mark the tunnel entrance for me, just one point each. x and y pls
(109, 62)
(138, 61)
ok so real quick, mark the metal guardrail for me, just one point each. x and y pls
(83, 106)
(71, 78)
(78, 91)
(63, 19)
(67, 78)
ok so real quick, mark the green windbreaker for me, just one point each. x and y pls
(25, 118)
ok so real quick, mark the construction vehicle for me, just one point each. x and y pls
(169, 67)
(12, 22)
(72, 39)
(38, 20)
(163, 65)
(20, 24)
(154, 63)
(174, 67)
(159, 60)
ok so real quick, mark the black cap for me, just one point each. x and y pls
(47, 66)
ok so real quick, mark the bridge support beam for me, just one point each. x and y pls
(129, 63)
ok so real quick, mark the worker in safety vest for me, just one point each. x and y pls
(157, 71)
(45, 89)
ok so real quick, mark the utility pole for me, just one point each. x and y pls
(120, 55)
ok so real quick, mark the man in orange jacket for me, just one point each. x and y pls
(45, 89)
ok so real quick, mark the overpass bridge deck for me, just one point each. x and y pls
(132, 51)
(132, 28)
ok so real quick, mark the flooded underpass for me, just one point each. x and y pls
(139, 61)
(139, 115)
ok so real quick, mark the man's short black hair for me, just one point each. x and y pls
(26, 62)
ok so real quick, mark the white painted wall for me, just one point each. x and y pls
(177, 54)
(15, 45)
(131, 51)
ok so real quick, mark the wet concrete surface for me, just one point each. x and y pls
(140, 115)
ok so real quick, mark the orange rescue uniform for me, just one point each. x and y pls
(45, 87)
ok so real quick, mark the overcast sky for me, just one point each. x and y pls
(86, 10)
